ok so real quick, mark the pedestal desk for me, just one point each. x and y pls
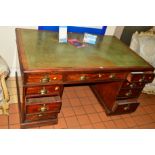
(115, 74)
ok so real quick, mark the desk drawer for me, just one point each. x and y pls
(131, 85)
(43, 104)
(141, 77)
(42, 108)
(129, 93)
(41, 116)
(43, 90)
(43, 78)
(125, 106)
(95, 76)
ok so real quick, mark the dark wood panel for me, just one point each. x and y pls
(43, 78)
(107, 92)
(41, 116)
(129, 93)
(131, 85)
(96, 76)
(41, 108)
(146, 77)
(126, 107)
(43, 90)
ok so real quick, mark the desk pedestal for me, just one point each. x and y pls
(107, 94)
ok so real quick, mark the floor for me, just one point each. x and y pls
(81, 110)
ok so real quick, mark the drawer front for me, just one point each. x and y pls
(129, 93)
(42, 108)
(43, 90)
(43, 78)
(141, 77)
(125, 107)
(95, 76)
(41, 116)
(131, 85)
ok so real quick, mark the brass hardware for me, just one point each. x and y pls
(128, 83)
(43, 91)
(46, 79)
(112, 76)
(142, 79)
(128, 93)
(54, 78)
(127, 107)
(40, 115)
(99, 75)
(132, 85)
(43, 108)
(56, 88)
(83, 77)
(150, 77)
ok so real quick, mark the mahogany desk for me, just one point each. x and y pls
(115, 73)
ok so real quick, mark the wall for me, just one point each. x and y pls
(8, 46)
(110, 30)
(8, 49)
(118, 31)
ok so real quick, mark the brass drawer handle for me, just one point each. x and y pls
(142, 79)
(99, 75)
(43, 91)
(127, 83)
(150, 77)
(40, 115)
(112, 76)
(132, 85)
(83, 77)
(46, 79)
(127, 108)
(43, 108)
(128, 93)
(54, 78)
(56, 88)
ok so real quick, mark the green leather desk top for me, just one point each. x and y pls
(41, 50)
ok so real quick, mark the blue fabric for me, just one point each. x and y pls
(76, 29)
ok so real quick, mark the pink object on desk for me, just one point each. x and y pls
(76, 43)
